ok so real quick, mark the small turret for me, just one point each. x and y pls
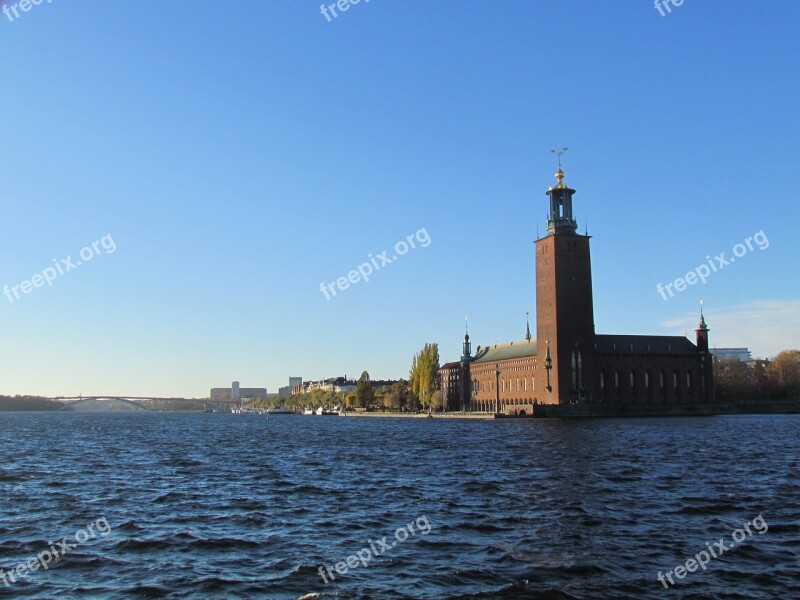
(702, 333)
(467, 349)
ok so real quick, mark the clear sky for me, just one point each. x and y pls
(239, 154)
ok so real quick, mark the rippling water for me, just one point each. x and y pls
(228, 506)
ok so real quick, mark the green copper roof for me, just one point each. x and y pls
(644, 344)
(499, 352)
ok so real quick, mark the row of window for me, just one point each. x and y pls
(632, 379)
(511, 385)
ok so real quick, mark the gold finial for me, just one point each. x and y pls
(560, 173)
(560, 178)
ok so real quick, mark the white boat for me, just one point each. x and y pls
(278, 411)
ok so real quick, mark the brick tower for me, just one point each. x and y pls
(564, 310)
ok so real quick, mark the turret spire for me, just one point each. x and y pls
(528, 326)
(702, 332)
(467, 346)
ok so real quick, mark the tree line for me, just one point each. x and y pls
(750, 380)
(422, 390)
(24, 403)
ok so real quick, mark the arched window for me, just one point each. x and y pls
(647, 379)
(688, 379)
(616, 379)
(633, 379)
(675, 380)
(574, 370)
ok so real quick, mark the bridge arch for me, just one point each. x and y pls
(69, 405)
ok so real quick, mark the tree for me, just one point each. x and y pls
(436, 400)
(397, 398)
(364, 393)
(784, 372)
(424, 374)
(392, 401)
(736, 380)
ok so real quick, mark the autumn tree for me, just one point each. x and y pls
(398, 395)
(436, 400)
(364, 393)
(736, 380)
(784, 372)
(424, 374)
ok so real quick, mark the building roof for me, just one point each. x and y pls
(498, 352)
(644, 344)
(450, 365)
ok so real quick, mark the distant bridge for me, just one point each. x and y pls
(139, 402)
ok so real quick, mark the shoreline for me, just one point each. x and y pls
(419, 415)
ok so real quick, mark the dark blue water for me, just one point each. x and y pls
(228, 506)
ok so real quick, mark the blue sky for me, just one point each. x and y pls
(239, 154)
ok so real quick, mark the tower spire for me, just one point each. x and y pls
(560, 219)
(528, 326)
(702, 332)
(467, 346)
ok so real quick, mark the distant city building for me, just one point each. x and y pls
(731, 353)
(339, 384)
(235, 393)
(449, 375)
(288, 390)
(332, 384)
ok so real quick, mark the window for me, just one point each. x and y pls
(661, 379)
(675, 379)
(633, 379)
(616, 379)
(602, 379)
(647, 379)
(688, 380)
(574, 370)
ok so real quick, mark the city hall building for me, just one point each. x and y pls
(568, 369)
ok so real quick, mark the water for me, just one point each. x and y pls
(227, 506)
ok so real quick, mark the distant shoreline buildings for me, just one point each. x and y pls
(236, 393)
(732, 353)
(336, 385)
